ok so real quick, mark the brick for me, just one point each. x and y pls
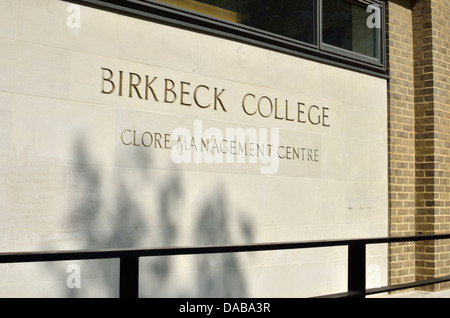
(418, 61)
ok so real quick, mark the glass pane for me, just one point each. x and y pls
(289, 18)
(344, 25)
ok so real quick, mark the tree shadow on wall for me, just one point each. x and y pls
(97, 220)
(102, 213)
(220, 275)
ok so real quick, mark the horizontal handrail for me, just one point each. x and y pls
(131, 256)
(48, 256)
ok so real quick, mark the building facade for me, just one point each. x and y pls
(188, 123)
(418, 64)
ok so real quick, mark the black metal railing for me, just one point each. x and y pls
(129, 260)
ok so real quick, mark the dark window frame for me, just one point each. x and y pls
(317, 51)
(380, 41)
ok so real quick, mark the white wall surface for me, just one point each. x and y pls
(67, 181)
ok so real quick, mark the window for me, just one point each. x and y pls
(288, 18)
(335, 31)
(345, 26)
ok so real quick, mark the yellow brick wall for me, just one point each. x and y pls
(400, 64)
(431, 67)
(419, 136)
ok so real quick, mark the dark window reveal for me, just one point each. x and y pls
(344, 25)
(289, 18)
(336, 31)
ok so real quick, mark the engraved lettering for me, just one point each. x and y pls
(134, 85)
(276, 110)
(169, 89)
(325, 116)
(266, 114)
(196, 99)
(109, 80)
(120, 82)
(300, 113)
(148, 86)
(121, 137)
(134, 139)
(287, 111)
(186, 94)
(218, 100)
(149, 143)
(268, 107)
(183, 92)
(309, 115)
(244, 105)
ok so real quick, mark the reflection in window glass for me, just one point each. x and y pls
(344, 25)
(292, 19)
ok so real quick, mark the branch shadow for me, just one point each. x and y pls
(105, 211)
(219, 274)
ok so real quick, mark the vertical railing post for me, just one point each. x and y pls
(357, 269)
(129, 277)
